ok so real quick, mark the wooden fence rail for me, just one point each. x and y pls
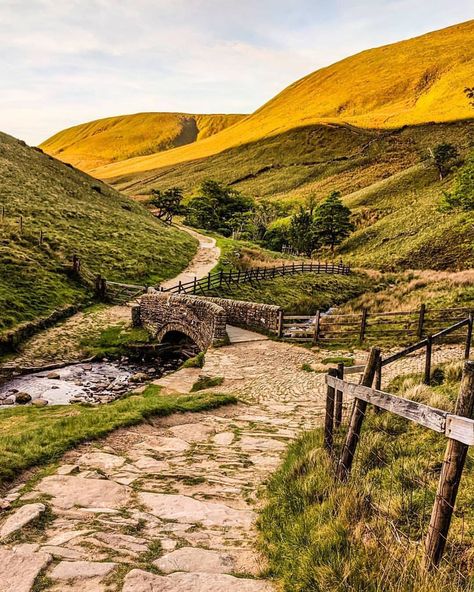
(457, 427)
(324, 328)
(254, 274)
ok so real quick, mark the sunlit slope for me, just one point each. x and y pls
(100, 142)
(77, 214)
(411, 82)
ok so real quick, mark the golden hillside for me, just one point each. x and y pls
(112, 139)
(411, 82)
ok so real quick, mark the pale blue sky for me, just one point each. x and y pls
(64, 62)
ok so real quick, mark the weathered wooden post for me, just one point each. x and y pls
(179, 287)
(357, 417)
(421, 321)
(238, 276)
(467, 349)
(451, 471)
(209, 281)
(429, 351)
(280, 323)
(41, 237)
(329, 419)
(338, 403)
(221, 275)
(317, 325)
(195, 285)
(363, 324)
(283, 268)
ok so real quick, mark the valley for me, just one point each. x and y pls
(235, 348)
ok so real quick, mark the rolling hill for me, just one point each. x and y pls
(103, 141)
(77, 214)
(412, 82)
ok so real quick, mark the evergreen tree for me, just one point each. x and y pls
(332, 221)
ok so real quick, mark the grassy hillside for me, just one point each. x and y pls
(100, 142)
(77, 214)
(411, 82)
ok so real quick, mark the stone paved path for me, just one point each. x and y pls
(170, 505)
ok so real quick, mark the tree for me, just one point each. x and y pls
(167, 203)
(462, 196)
(302, 234)
(215, 206)
(469, 92)
(444, 157)
(332, 221)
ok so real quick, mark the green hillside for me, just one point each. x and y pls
(112, 139)
(77, 214)
(411, 82)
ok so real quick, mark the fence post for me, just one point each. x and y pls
(41, 237)
(338, 404)
(221, 275)
(329, 419)
(317, 325)
(421, 320)
(363, 324)
(451, 471)
(76, 264)
(293, 267)
(283, 268)
(238, 276)
(195, 285)
(467, 350)
(280, 323)
(429, 350)
(357, 417)
(209, 281)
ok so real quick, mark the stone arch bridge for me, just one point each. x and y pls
(203, 320)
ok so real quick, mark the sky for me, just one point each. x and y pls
(65, 62)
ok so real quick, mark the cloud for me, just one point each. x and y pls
(67, 62)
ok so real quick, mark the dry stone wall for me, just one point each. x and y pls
(252, 315)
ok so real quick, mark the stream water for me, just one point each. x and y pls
(95, 382)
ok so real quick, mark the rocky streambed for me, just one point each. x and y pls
(90, 382)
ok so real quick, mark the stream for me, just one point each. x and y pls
(88, 382)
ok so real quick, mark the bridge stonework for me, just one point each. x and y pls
(202, 319)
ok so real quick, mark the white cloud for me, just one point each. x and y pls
(67, 62)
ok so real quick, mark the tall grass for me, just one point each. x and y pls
(367, 535)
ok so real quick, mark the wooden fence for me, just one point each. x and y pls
(255, 274)
(457, 427)
(326, 328)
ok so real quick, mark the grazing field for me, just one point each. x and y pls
(77, 214)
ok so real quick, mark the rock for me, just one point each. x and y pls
(191, 559)
(9, 401)
(67, 470)
(39, 402)
(22, 398)
(138, 580)
(18, 571)
(139, 377)
(224, 438)
(101, 460)
(151, 371)
(53, 376)
(81, 570)
(62, 552)
(69, 491)
(187, 509)
(61, 538)
(163, 444)
(20, 518)
(151, 465)
(192, 432)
